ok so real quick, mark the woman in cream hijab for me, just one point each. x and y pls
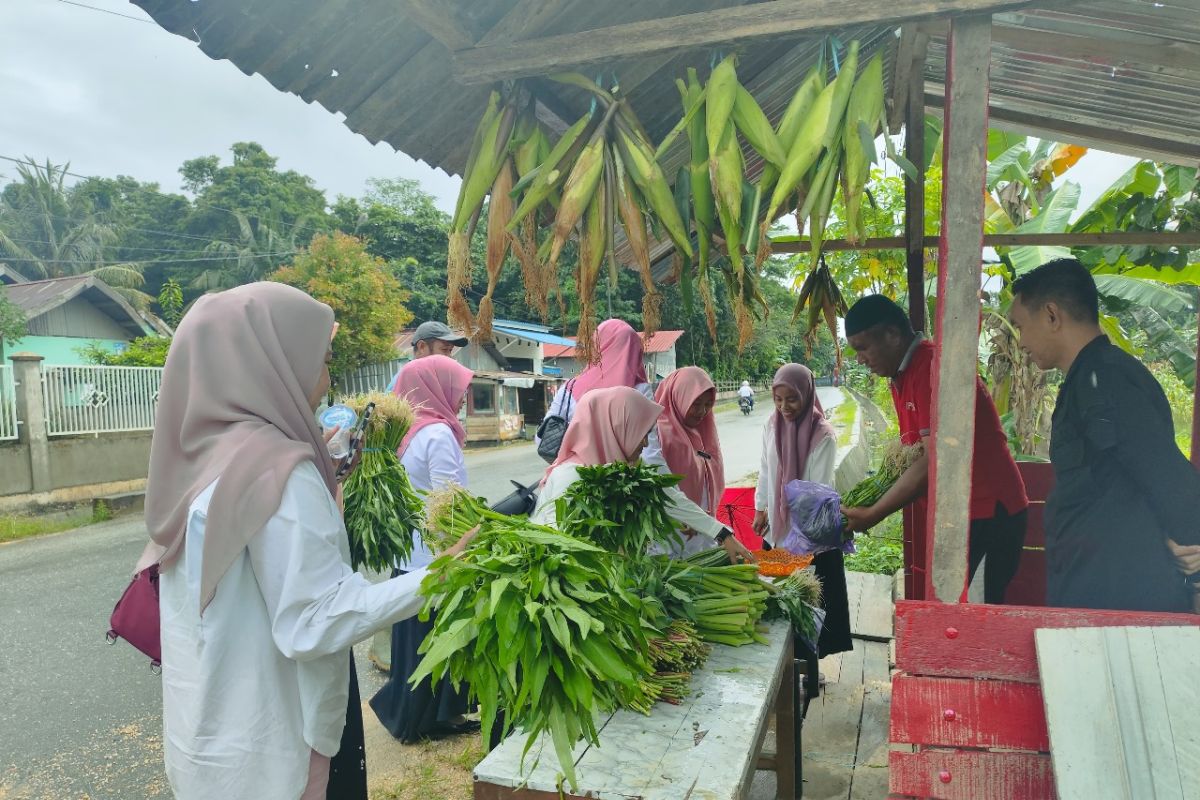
(259, 606)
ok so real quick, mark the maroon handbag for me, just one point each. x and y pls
(135, 616)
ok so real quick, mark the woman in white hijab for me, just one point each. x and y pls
(259, 606)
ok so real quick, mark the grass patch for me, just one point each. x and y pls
(13, 528)
(440, 770)
(843, 419)
(882, 550)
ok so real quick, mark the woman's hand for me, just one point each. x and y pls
(761, 523)
(456, 549)
(1187, 557)
(737, 552)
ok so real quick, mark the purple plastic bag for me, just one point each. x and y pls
(815, 514)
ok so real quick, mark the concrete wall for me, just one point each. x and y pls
(15, 477)
(78, 461)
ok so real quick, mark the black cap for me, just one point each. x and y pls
(438, 330)
(873, 310)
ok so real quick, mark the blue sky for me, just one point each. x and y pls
(113, 95)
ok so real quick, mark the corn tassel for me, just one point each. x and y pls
(591, 255)
(500, 209)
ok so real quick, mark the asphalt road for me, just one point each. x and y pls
(80, 719)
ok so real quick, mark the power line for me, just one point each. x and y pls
(155, 263)
(124, 247)
(106, 11)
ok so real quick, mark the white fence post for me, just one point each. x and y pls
(8, 404)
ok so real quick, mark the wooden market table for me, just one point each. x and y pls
(708, 747)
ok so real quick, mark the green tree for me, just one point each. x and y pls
(48, 231)
(367, 300)
(145, 351)
(12, 319)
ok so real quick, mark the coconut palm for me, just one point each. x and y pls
(47, 235)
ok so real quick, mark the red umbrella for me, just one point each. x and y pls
(737, 512)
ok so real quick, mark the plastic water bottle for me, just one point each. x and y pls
(343, 418)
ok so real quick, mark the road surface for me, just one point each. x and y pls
(80, 719)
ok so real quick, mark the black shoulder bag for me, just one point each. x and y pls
(554, 427)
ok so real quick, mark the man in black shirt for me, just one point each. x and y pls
(1123, 521)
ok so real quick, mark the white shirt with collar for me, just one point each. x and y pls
(822, 462)
(433, 459)
(262, 678)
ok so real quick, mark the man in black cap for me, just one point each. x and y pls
(1123, 521)
(881, 334)
(432, 338)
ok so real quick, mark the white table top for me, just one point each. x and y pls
(704, 749)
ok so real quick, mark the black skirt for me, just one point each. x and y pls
(835, 635)
(348, 769)
(412, 714)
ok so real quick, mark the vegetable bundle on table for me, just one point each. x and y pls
(539, 624)
(724, 601)
(795, 598)
(381, 507)
(620, 507)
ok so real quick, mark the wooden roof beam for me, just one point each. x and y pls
(1188, 239)
(781, 18)
(439, 20)
(1055, 122)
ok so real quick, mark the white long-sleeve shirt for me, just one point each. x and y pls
(822, 462)
(433, 459)
(261, 679)
(680, 509)
(564, 405)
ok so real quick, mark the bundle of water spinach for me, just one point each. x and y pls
(539, 624)
(620, 507)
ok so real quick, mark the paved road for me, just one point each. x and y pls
(79, 719)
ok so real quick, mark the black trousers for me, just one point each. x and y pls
(348, 769)
(1001, 538)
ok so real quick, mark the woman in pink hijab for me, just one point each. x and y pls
(613, 424)
(799, 443)
(432, 455)
(621, 364)
(259, 606)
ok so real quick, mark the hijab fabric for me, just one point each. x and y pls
(435, 386)
(681, 445)
(620, 360)
(795, 440)
(609, 425)
(233, 407)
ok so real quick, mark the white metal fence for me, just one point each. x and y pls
(371, 378)
(8, 404)
(95, 399)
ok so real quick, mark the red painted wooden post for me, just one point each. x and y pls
(964, 159)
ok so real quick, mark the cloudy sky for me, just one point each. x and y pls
(120, 96)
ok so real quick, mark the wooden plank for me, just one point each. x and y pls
(854, 598)
(981, 641)
(1182, 699)
(1108, 239)
(957, 334)
(875, 609)
(875, 662)
(1108, 714)
(869, 780)
(831, 741)
(831, 667)
(1055, 122)
(1038, 478)
(957, 712)
(728, 26)
(979, 775)
(854, 663)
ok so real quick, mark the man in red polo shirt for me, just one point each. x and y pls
(881, 334)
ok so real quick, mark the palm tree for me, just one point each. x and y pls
(46, 235)
(259, 251)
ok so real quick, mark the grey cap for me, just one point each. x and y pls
(438, 330)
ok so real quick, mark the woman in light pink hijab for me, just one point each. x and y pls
(258, 604)
(435, 386)
(611, 425)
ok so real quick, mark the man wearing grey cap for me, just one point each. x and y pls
(432, 338)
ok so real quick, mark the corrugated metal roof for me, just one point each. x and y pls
(37, 297)
(659, 342)
(535, 336)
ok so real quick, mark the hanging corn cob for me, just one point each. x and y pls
(858, 137)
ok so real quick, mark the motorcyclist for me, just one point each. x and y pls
(748, 393)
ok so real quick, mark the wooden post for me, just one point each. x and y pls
(1196, 413)
(964, 159)
(914, 190)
